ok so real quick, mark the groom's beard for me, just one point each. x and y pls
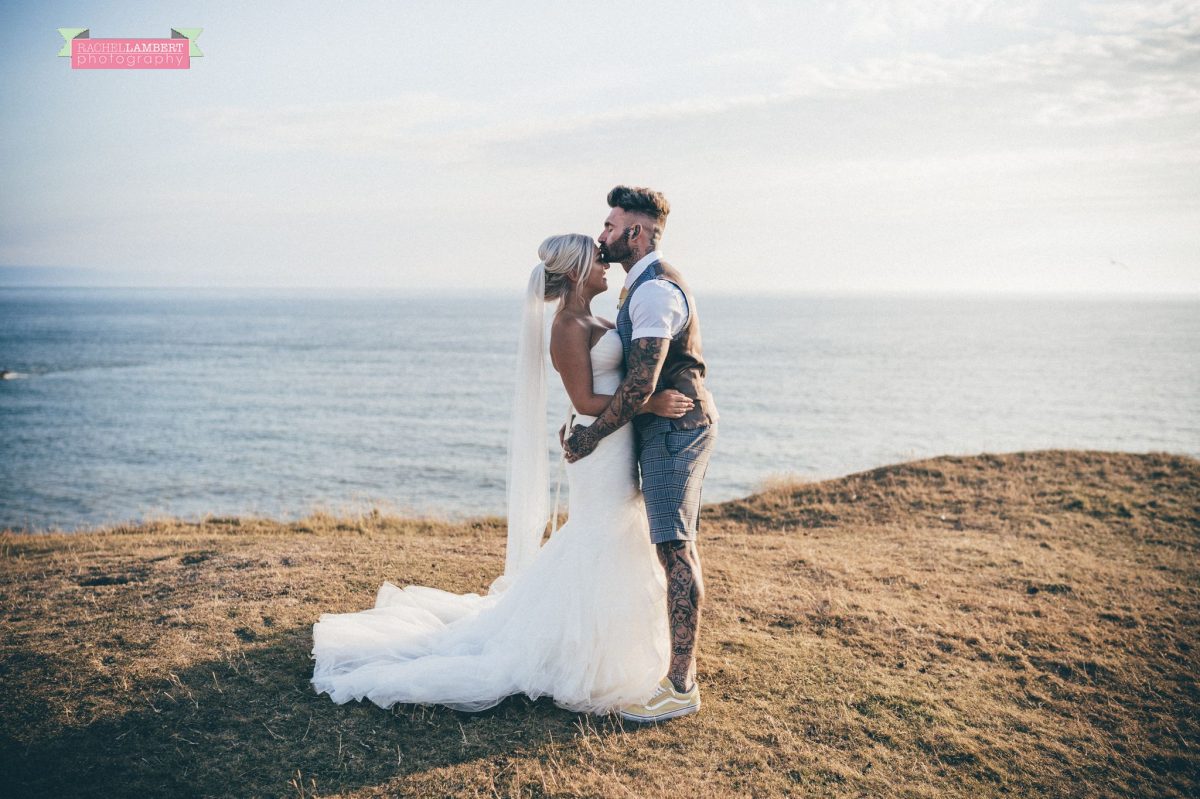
(619, 251)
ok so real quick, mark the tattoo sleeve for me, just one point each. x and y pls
(685, 595)
(646, 358)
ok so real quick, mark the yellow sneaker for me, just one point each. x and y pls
(666, 703)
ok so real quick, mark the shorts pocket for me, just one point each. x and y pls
(676, 441)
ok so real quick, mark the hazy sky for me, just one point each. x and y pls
(805, 146)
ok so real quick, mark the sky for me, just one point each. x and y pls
(850, 146)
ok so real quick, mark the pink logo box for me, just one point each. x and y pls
(130, 54)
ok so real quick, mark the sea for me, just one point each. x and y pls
(122, 405)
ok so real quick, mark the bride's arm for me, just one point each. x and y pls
(571, 356)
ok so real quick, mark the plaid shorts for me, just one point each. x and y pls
(673, 463)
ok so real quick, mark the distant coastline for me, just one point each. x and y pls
(344, 518)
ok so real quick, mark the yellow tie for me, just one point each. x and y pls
(621, 299)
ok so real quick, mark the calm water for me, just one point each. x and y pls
(146, 402)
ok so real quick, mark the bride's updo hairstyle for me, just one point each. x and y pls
(568, 261)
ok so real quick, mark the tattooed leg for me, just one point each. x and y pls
(685, 594)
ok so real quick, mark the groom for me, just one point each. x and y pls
(660, 331)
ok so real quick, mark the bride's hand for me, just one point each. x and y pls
(669, 404)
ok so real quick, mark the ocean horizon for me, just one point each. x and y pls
(137, 403)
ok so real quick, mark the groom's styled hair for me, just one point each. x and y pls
(640, 200)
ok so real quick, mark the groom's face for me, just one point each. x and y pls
(615, 240)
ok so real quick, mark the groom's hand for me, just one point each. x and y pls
(580, 443)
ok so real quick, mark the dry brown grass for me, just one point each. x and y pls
(1015, 625)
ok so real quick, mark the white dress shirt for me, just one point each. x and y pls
(658, 309)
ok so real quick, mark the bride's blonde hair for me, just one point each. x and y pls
(568, 262)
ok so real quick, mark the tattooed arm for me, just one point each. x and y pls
(645, 362)
(570, 354)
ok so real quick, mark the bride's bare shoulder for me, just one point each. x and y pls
(567, 326)
(569, 335)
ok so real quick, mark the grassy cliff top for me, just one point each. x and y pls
(1018, 624)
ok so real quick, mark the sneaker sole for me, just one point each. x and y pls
(670, 714)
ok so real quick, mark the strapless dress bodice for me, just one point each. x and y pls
(608, 369)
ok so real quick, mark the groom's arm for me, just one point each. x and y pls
(643, 366)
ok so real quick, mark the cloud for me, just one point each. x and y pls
(1136, 62)
(1124, 17)
(375, 126)
(425, 126)
(887, 19)
(1149, 69)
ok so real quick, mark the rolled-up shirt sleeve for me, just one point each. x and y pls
(658, 309)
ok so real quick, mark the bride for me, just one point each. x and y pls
(582, 618)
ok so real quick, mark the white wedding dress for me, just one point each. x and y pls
(584, 623)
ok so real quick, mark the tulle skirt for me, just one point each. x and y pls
(585, 623)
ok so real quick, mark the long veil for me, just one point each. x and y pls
(528, 477)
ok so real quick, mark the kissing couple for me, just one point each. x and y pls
(602, 617)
